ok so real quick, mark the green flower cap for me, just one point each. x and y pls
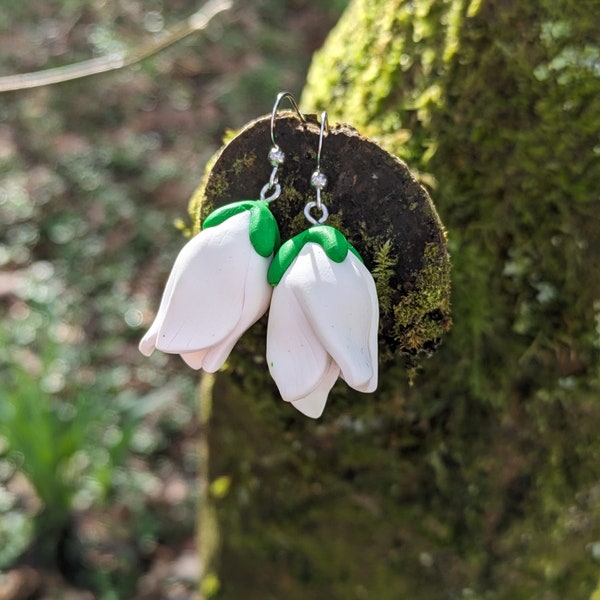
(334, 243)
(264, 232)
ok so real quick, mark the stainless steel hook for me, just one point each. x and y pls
(278, 100)
(318, 180)
(276, 155)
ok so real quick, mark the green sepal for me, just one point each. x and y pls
(332, 241)
(264, 232)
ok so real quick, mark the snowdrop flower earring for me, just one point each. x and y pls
(324, 313)
(218, 285)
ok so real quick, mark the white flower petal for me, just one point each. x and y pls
(297, 360)
(256, 303)
(208, 288)
(195, 359)
(340, 303)
(313, 404)
(216, 290)
(148, 342)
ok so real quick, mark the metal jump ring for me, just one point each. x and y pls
(310, 218)
(273, 196)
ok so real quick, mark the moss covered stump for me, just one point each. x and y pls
(481, 481)
(372, 198)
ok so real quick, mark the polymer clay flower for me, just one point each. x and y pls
(323, 319)
(218, 286)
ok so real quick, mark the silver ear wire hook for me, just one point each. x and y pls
(324, 130)
(318, 180)
(278, 100)
(276, 155)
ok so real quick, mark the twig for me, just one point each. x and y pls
(197, 22)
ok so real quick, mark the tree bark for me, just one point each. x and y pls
(481, 479)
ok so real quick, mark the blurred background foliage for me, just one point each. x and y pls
(479, 482)
(98, 453)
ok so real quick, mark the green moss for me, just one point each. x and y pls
(414, 322)
(198, 208)
(244, 164)
(491, 457)
(481, 479)
(382, 83)
(383, 272)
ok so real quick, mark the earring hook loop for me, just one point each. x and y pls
(276, 156)
(324, 131)
(318, 179)
(281, 96)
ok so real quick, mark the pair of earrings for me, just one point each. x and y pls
(322, 300)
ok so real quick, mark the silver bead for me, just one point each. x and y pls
(318, 180)
(276, 156)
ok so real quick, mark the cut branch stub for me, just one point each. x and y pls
(372, 199)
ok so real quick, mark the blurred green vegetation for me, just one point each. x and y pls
(98, 456)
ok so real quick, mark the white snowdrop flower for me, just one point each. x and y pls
(218, 286)
(323, 319)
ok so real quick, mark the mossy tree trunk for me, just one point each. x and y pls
(481, 480)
